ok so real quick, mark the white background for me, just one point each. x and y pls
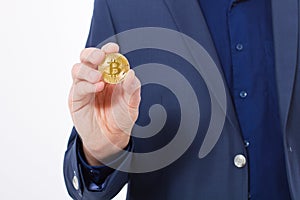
(40, 41)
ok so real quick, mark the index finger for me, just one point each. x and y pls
(93, 56)
(110, 48)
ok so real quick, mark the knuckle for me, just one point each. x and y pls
(87, 54)
(81, 70)
(83, 54)
(80, 89)
(76, 69)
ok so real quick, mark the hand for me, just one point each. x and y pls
(103, 114)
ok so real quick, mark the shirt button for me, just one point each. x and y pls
(239, 47)
(243, 94)
(249, 196)
(247, 144)
(240, 161)
(75, 183)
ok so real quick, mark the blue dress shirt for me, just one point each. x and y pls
(242, 34)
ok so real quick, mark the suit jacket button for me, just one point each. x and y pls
(240, 161)
(75, 183)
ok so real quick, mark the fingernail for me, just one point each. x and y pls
(99, 86)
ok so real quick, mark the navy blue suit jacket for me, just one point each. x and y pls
(214, 176)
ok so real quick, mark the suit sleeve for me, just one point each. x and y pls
(95, 177)
(74, 179)
(101, 28)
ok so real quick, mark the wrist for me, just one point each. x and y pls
(103, 153)
(91, 160)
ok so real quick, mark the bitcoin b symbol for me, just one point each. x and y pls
(114, 68)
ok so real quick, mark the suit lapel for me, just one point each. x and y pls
(285, 32)
(183, 13)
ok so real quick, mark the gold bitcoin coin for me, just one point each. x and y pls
(114, 68)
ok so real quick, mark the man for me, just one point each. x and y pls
(255, 45)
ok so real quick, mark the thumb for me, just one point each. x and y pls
(132, 90)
